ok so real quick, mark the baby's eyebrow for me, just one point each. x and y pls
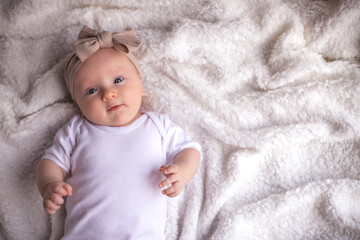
(116, 74)
(85, 87)
(117, 71)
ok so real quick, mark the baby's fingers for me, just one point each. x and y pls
(169, 169)
(163, 168)
(50, 207)
(173, 191)
(62, 189)
(57, 199)
(68, 188)
(169, 180)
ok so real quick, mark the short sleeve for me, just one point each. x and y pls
(64, 143)
(176, 139)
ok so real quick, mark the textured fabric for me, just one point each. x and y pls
(114, 175)
(269, 88)
(89, 41)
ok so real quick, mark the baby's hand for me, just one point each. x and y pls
(174, 176)
(52, 196)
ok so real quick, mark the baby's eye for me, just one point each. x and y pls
(118, 80)
(92, 91)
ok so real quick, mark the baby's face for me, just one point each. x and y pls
(108, 89)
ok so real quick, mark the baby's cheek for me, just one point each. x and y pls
(88, 109)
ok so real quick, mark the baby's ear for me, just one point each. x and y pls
(143, 93)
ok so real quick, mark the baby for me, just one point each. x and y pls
(115, 164)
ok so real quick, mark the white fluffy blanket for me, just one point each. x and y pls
(269, 88)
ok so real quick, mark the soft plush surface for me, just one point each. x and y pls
(269, 88)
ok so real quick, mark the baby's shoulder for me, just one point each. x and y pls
(160, 120)
(74, 124)
(163, 122)
(158, 116)
(76, 120)
(70, 129)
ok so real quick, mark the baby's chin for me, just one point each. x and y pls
(119, 121)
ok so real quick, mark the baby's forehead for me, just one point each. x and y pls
(89, 74)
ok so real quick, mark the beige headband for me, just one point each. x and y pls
(89, 41)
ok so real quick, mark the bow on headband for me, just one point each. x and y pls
(89, 41)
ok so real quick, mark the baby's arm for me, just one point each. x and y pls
(185, 165)
(50, 181)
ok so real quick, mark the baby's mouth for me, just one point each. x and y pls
(114, 108)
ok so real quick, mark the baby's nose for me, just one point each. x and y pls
(108, 94)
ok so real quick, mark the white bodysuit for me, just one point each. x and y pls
(114, 172)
